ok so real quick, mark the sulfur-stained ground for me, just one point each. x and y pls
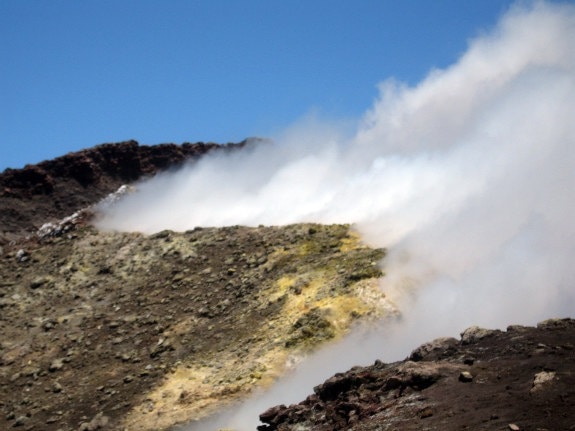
(134, 332)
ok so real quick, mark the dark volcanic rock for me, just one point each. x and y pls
(53, 189)
(519, 379)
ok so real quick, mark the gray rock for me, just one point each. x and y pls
(439, 345)
(40, 281)
(57, 364)
(98, 422)
(552, 323)
(475, 333)
(22, 255)
(20, 421)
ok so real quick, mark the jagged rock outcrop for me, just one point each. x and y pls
(521, 379)
(53, 189)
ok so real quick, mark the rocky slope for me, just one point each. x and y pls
(53, 189)
(519, 379)
(143, 332)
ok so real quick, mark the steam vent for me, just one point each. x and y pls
(106, 330)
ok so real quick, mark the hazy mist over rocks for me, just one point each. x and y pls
(467, 178)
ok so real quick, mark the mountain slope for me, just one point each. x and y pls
(121, 331)
(123, 327)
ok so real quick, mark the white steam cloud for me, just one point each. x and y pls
(468, 179)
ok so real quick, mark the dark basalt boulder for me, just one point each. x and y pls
(522, 379)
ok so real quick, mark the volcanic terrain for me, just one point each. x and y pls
(125, 331)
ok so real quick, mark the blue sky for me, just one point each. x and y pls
(79, 73)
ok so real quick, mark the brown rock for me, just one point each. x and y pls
(542, 380)
(426, 413)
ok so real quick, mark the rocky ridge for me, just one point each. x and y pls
(54, 189)
(519, 379)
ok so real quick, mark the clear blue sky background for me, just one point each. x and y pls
(74, 74)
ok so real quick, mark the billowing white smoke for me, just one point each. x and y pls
(468, 179)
